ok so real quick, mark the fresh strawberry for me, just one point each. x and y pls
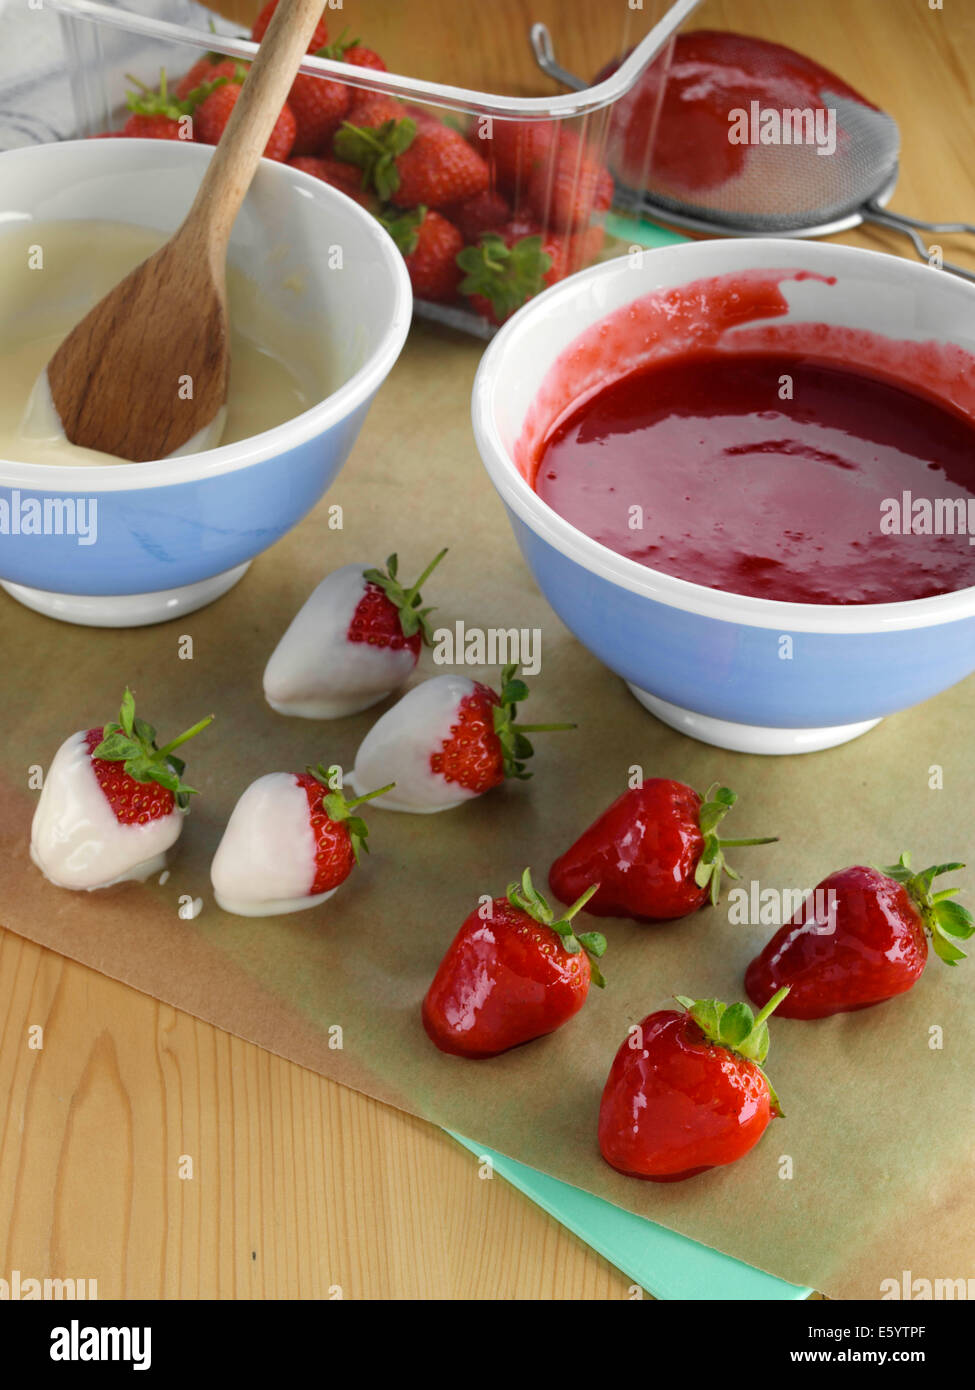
(364, 58)
(214, 112)
(158, 115)
(318, 107)
(517, 149)
(567, 193)
(860, 938)
(354, 641)
(372, 109)
(686, 1091)
(654, 853)
(507, 269)
(437, 168)
(373, 140)
(429, 244)
(113, 803)
(343, 50)
(448, 740)
(342, 176)
(290, 842)
(513, 972)
(485, 212)
(207, 69)
(318, 39)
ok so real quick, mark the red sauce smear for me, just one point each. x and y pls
(656, 414)
(671, 128)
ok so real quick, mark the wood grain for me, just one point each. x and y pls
(299, 1185)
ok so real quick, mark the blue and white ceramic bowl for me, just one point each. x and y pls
(713, 664)
(175, 534)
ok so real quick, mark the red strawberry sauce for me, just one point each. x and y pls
(743, 490)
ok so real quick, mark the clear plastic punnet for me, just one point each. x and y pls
(536, 196)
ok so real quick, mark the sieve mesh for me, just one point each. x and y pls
(669, 136)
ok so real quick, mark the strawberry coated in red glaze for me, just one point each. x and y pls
(654, 853)
(390, 616)
(686, 1091)
(485, 745)
(515, 971)
(141, 782)
(859, 939)
(340, 836)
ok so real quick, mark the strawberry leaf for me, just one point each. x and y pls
(374, 150)
(507, 276)
(942, 918)
(132, 742)
(412, 618)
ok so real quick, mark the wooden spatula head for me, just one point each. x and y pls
(148, 367)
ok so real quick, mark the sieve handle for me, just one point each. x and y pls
(912, 227)
(544, 50)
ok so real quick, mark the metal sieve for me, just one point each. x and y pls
(669, 148)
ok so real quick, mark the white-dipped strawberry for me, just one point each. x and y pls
(112, 804)
(354, 641)
(290, 842)
(446, 741)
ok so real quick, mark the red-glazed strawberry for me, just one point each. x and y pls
(686, 1091)
(437, 168)
(355, 639)
(213, 114)
(485, 212)
(112, 805)
(429, 244)
(860, 938)
(567, 193)
(318, 39)
(291, 841)
(449, 739)
(318, 107)
(513, 972)
(654, 853)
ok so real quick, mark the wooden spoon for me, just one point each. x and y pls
(147, 368)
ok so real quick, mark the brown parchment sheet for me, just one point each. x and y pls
(879, 1124)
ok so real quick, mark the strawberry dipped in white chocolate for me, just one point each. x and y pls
(290, 841)
(355, 640)
(447, 741)
(112, 805)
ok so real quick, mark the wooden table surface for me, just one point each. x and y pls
(300, 1187)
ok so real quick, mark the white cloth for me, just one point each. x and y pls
(46, 94)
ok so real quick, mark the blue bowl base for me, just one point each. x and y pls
(126, 610)
(748, 738)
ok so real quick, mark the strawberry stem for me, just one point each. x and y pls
(526, 898)
(735, 1028)
(412, 618)
(185, 737)
(946, 922)
(515, 747)
(715, 805)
